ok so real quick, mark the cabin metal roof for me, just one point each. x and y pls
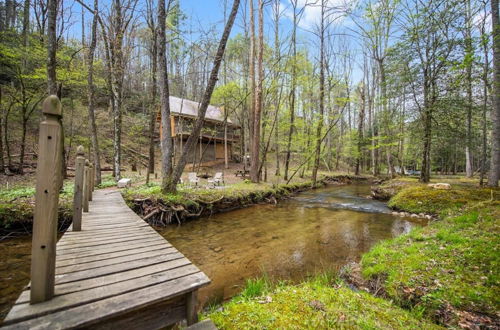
(188, 108)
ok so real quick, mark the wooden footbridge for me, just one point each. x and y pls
(110, 269)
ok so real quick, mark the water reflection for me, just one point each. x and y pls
(315, 231)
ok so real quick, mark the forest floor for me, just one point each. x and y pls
(445, 274)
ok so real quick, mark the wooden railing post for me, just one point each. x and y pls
(89, 180)
(92, 172)
(79, 182)
(48, 183)
(86, 187)
(93, 176)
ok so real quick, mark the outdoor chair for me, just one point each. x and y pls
(217, 179)
(193, 179)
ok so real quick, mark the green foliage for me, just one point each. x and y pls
(255, 287)
(454, 261)
(313, 305)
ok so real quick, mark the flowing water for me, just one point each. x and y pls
(312, 232)
(319, 230)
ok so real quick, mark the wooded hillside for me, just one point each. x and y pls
(380, 86)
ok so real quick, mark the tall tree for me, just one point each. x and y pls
(469, 60)
(153, 52)
(319, 128)
(296, 15)
(166, 140)
(91, 94)
(170, 185)
(52, 47)
(251, 77)
(495, 113)
(254, 168)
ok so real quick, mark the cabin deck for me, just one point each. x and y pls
(116, 272)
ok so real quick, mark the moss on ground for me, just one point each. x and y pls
(17, 206)
(451, 263)
(315, 304)
(424, 199)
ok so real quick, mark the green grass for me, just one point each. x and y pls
(454, 262)
(17, 205)
(318, 303)
(243, 192)
(421, 198)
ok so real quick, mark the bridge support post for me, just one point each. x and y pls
(191, 301)
(90, 180)
(86, 187)
(93, 176)
(48, 184)
(79, 182)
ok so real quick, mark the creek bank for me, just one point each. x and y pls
(322, 302)
(17, 205)
(159, 209)
(447, 270)
(445, 274)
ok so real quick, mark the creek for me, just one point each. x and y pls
(312, 232)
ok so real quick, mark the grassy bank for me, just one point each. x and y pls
(444, 274)
(449, 270)
(17, 205)
(320, 303)
(160, 209)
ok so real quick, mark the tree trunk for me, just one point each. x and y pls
(495, 113)
(254, 168)
(166, 139)
(425, 173)
(319, 129)
(52, 47)
(198, 125)
(486, 69)
(251, 76)
(361, 120)
(91, 96)
(469, 53)
(153, 110)
(292, 90)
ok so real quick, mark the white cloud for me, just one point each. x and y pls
(311, 16)
(478, 19)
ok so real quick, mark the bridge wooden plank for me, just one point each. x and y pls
(77, 260)
(113, 261)
(102, 281)
(78, 240)
(95, 243)
(105, 270)
(25, 310)
(88, 314)
(106, 248)
(95, 233)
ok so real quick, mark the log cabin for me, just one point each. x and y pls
(219, 137)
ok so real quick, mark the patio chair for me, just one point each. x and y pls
(193, 179)
(217, 179)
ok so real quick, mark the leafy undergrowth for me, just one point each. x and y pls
(421, 198)
(161, 209)
(448, 271)
(315, 304)
(17, 206)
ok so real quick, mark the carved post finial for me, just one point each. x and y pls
(52, 106)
